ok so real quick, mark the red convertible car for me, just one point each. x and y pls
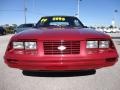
(60, 43)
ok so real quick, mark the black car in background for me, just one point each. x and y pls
(2, 31)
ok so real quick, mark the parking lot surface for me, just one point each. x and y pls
(13, 79)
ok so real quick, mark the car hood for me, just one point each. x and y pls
(61, 34)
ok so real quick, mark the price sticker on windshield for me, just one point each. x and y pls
(58, 19)
(43, 20)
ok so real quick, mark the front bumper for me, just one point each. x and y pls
(74, 62)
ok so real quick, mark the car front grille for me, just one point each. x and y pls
(70, 47)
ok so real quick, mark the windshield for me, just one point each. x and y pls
(25, 25)
(59, 21)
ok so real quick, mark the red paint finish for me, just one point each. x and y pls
(47, 56)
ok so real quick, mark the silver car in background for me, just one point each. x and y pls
(23, 27)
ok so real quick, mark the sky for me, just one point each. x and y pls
(92, 12)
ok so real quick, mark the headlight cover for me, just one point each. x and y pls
(25, 45)
(104, 44)
(30, 45)
(18, 45)
(92, 44)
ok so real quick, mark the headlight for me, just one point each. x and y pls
(18, 45)
(92, 44)
(30, 45)
(103, 44)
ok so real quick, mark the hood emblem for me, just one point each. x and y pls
(61, 48)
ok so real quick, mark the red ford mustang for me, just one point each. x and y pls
(60, 43)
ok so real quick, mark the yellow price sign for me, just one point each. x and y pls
(54, 19)
(58, 19)
(44, 20)
(63, 19)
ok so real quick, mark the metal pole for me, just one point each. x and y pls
(25, 10)
(78, 8)
(115, 14)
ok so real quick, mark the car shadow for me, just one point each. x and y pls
(59, 74)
